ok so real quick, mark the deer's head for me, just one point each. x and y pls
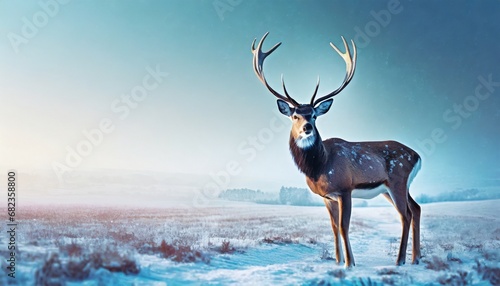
(304, 120)
(303, 116)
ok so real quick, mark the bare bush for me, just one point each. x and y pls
(447, 246)
(462, 278)
(123, 237)
(51, 273)
(388, 271)
(278, 240)
(56, 271)
(436, 264)
(226, 247)
(491, 255)
(427, 247)
(338, 273)
(489, 273)
(393, 246)
(366, 281)
(452, 258)
(180, 252)
(312, 240)
(325, 254)
(388, 280)
(71, 249)
(77, 269)
(113, 261)
(473, 246)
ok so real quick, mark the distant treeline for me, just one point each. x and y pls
(298, 197)
(304, 197)
(460, 195)
(247, 195)
(287, 196)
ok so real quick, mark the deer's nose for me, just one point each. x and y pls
(307, 128)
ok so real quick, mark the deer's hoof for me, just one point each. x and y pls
(348, 266)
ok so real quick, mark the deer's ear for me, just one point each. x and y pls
(284, 108)
(323, 107)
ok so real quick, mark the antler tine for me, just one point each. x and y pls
(290, 99)
(350, 68)
(258, 60)
(315, 92)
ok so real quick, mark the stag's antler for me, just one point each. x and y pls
(258, 60)
(350, 62)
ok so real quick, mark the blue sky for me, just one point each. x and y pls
(415, 69)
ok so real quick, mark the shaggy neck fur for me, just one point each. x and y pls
(310, 161)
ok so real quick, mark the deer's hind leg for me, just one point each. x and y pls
(415, 227)
(399, 197)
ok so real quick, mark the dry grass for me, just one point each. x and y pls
(182, 235)
(88, 238)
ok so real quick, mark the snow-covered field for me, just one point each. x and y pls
(249, 244)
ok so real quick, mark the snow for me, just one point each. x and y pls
(466, 231)
(393, 164)
(414, 172)
(369, 193)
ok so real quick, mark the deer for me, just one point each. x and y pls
(338, 170)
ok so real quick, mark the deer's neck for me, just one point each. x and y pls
(310, 161)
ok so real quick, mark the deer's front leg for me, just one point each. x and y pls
(345, 205)
(333, 209)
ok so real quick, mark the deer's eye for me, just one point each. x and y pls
(295, 117)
